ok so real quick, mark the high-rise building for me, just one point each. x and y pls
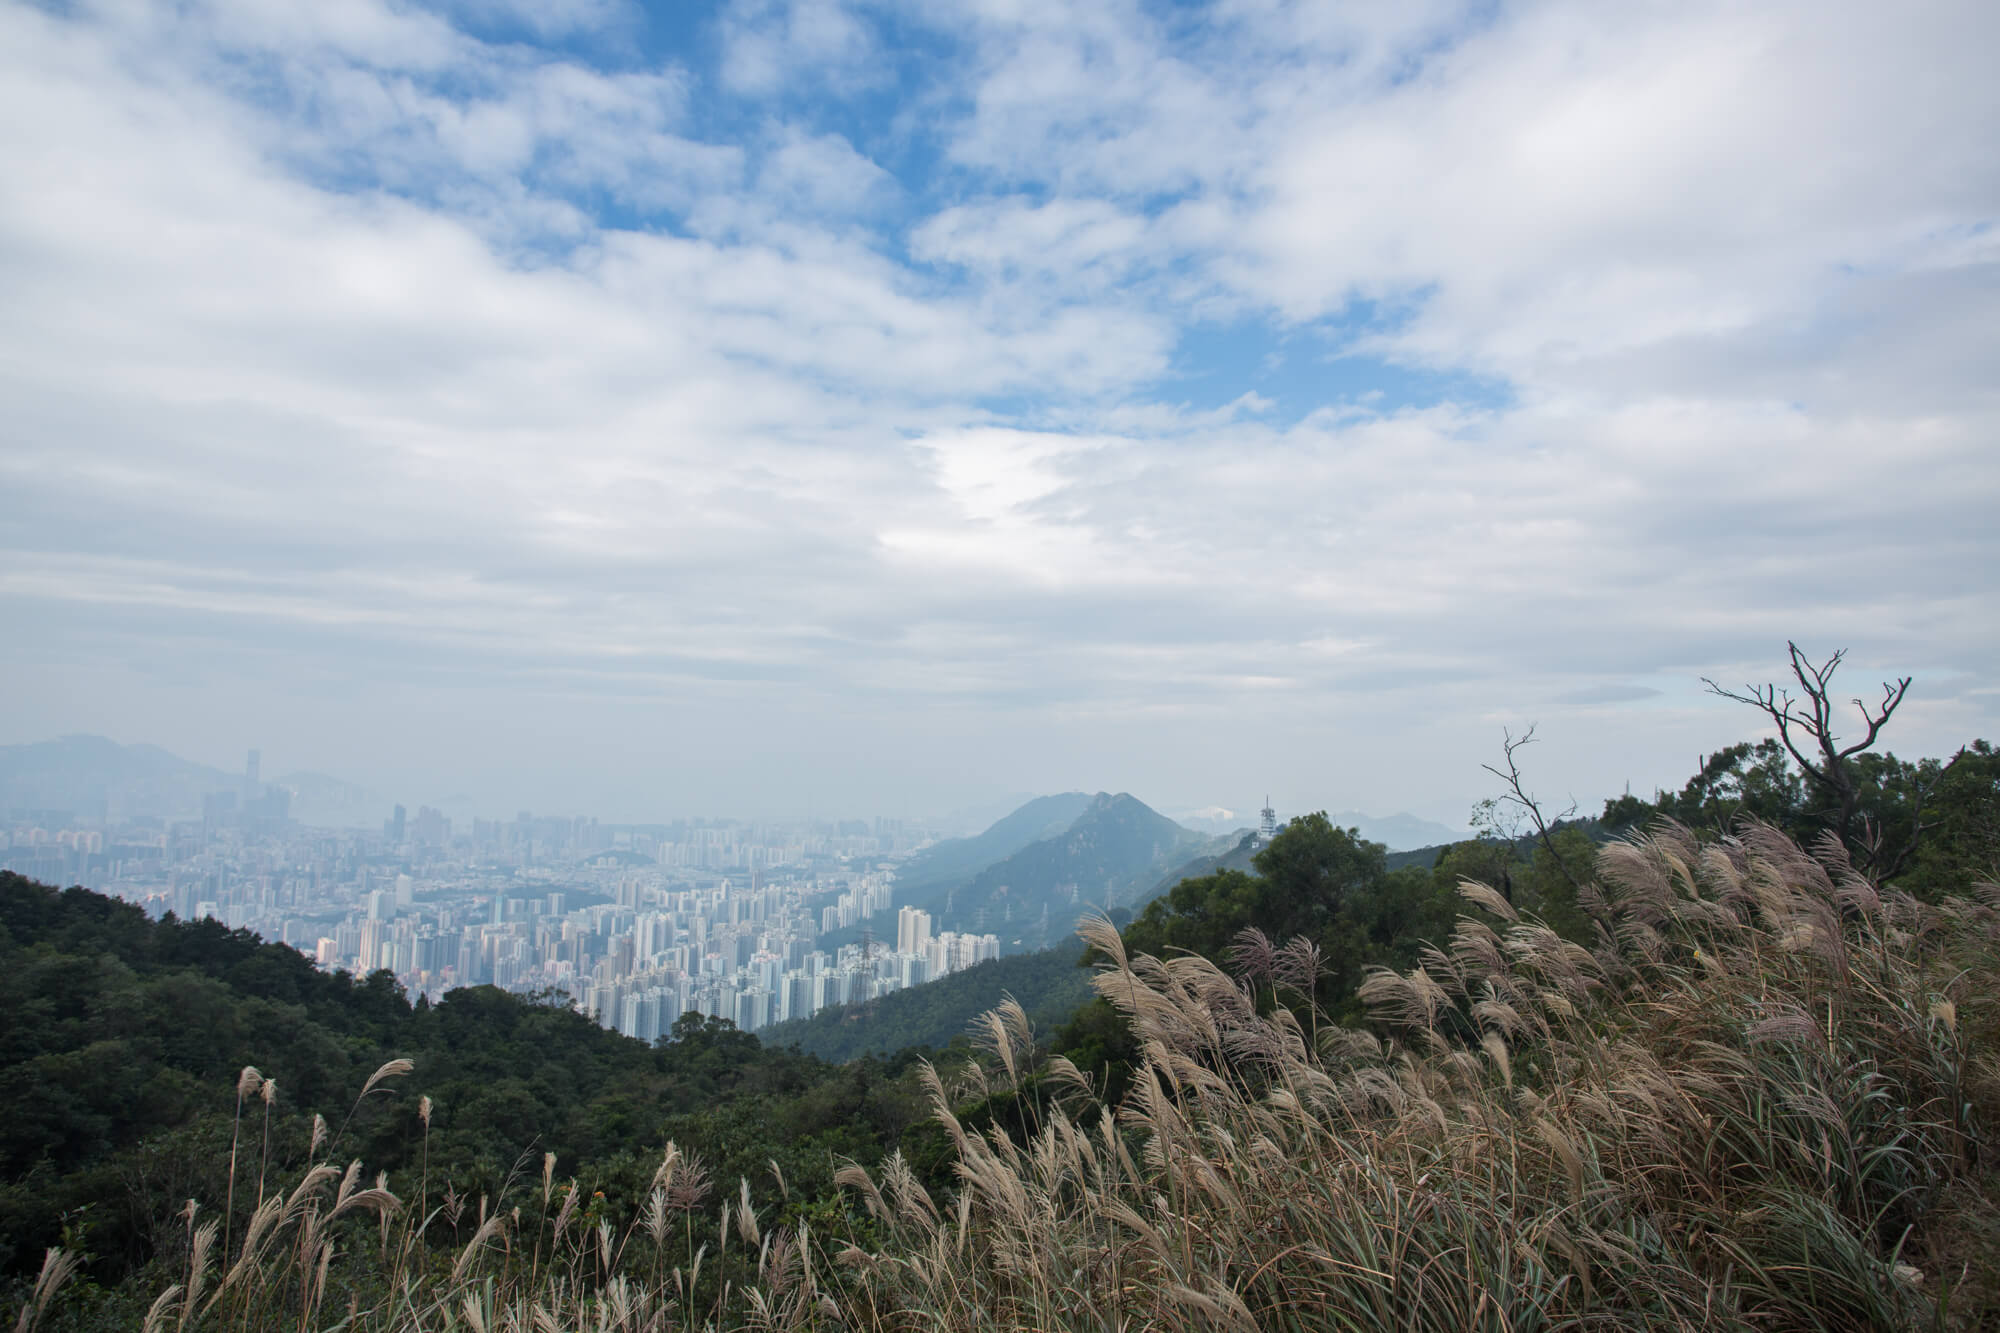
(913, 930)
(370, 948)
(431, 828)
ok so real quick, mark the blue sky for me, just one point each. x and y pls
(760, 406)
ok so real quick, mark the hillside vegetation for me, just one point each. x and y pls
(1694, 1078)
(124, 1040)
(1047, 984)
(1115, 849)
(1761, 1100)
(955, 860)
(1760, 1097)
(1029, 876)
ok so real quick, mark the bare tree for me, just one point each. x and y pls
(1806, 728)
(1524, 802)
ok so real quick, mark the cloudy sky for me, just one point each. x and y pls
(881, 406)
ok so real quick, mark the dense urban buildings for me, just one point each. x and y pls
(634, 924)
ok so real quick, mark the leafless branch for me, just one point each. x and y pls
(1517, 795)
(1805, 728)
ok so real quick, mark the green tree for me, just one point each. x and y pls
(1753, 780)
(1874, 805)
(1316, 882)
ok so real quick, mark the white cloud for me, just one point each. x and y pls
(341, 336)
(777, 46)
(822, 176)
(1088, 241)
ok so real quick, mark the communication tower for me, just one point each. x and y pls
(1269, 828)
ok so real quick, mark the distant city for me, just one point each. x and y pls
(634, 924)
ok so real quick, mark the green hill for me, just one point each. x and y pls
(957, 860)
(92, 775)
(1048, 984)
(1113, 851)
(1237, 855)
(123, 1038)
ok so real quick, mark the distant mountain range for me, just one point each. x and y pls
(95, 778)
(1399, 833)
(1031, 875)
(1034, 872)
(1106, 858)
(955, 860)
(1231, 855)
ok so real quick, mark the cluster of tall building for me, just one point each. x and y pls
(636, 924)
(756, 959)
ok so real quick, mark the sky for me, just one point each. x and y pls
(840, 407)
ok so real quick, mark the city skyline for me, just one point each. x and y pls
(74, 800)
(636, 926)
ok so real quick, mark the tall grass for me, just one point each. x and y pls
(1759, 1101)
(336, 1252)
(1739, 1109)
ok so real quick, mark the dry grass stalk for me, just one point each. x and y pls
(1764, 1066)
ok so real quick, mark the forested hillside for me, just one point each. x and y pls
(1114, 850)
(1498, 1023)
(956, 860)
(1048, 985)
(123, 1039)
(1763, 1066)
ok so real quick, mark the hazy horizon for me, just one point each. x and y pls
(799, 407)
(946, 822)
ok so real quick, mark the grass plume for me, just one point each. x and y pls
(1762, 1100)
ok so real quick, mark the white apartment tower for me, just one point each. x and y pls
(913, 930)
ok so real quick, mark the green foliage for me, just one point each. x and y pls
(1313, 882)
(1757, 1103)
(124, 1038)
(1960, 846)
(1930, 826)
(1746, 780)
(933, 1016)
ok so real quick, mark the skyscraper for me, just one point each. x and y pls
(913, 930)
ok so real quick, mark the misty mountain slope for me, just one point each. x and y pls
(1049, 985)
(957, 860)
(90, 774)
(1237, 855)
(1399, 832)
(96, 777)
(1113, 851)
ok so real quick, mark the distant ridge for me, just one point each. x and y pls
(1106, 855)
(1399, 832)
(94, 777)
(1235, 856)
(1239, 850)
(958, 859)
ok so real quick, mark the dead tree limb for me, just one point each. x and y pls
(1517, 795)
(1805, 727)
